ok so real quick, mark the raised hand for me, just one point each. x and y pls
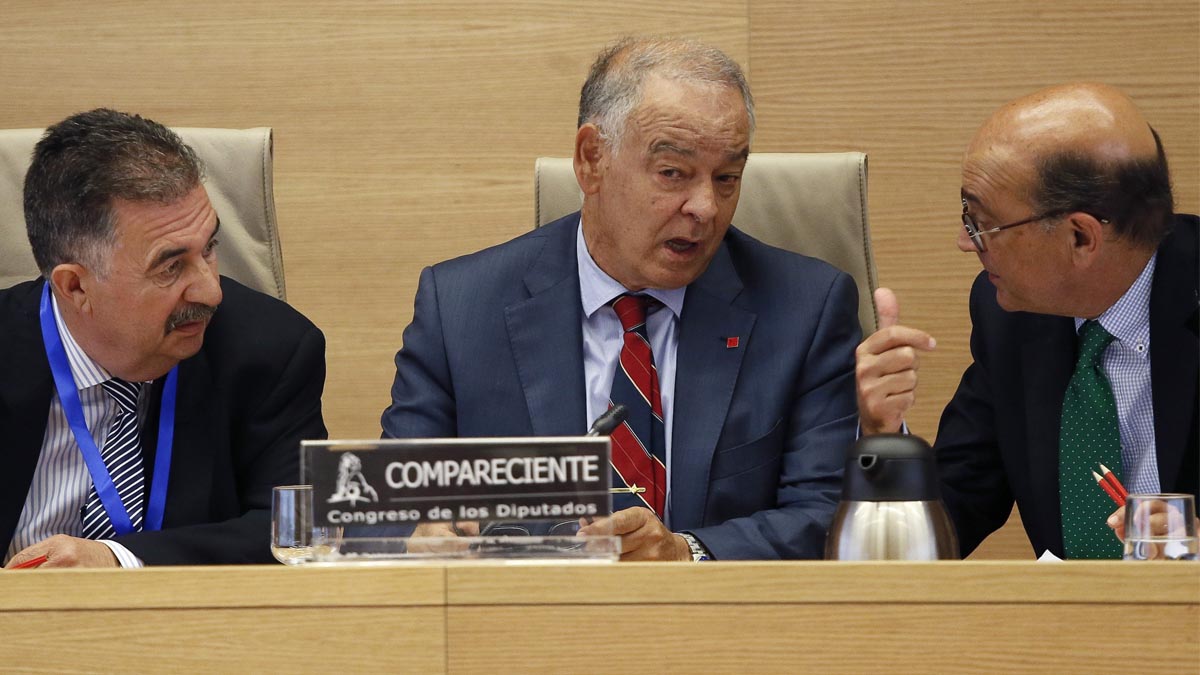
(886, 366)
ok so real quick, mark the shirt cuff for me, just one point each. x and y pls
(125, 557)
(858, 430)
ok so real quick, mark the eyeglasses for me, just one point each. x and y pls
(976, 234)
(560, 536)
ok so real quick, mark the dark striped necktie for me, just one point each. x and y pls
(638, 445)
(122, 457)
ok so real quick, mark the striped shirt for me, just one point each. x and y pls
(61, 482)
(1126, 363)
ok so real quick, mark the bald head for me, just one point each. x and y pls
(1084, 147)
(1091, 119)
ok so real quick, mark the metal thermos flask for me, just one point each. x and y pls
(891, 506)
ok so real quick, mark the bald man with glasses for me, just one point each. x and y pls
(1084, 327)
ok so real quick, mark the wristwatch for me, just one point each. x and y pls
(699, 553)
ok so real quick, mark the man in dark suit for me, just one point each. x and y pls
(750, 345)
(140, 423)
(1067, 202)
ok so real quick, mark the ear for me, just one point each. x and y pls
(1086, 238)
(590, 160)
(70, 282)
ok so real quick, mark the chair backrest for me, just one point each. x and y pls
(238, 177)
(810, 203)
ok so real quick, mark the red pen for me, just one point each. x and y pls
(32, 562)
(1112, 480)
(1112, 492)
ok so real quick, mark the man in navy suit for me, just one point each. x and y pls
(752, 345)
(1067, 202)
(216, 384)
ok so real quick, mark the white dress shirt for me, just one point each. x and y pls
(61, 482)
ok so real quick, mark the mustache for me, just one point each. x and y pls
(190, 313)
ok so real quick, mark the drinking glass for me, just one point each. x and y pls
(1160, 527)
(294, 540)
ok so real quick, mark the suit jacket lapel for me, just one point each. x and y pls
(545, 332)
(1047, 362)
(25, 392)
(705, 375)
(192, 456)
(1173, 354)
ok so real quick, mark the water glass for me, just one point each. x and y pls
(294, 540)
(1160, 527)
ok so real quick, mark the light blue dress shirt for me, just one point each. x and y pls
(1126, 364)
(602, 339)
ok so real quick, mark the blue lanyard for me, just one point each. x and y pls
(68, 395)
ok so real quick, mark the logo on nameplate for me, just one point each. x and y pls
(352, 485)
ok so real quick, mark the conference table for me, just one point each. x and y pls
(719, 617)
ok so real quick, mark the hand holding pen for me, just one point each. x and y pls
(1111, 485)
(31, 563)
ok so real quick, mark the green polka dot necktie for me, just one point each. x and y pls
(1088, 437)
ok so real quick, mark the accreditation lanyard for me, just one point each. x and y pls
(68, 395)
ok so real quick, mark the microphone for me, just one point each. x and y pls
(603, 426)
(610, 420)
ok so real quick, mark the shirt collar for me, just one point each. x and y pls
(1128, 320)
(87, 373)
(597, 289)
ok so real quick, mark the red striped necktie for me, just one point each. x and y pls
(638, 445)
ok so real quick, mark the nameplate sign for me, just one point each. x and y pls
(410, 481)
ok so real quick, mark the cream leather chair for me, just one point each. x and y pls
(815, 204)
(238, 177)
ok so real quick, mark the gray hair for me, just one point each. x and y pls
(613, 88)
(85, 162)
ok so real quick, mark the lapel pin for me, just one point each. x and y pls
(732, 342)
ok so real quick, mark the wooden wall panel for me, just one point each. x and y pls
(405, 131)
(910, 82)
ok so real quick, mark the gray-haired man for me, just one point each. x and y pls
(740, 354)
(140, 424)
